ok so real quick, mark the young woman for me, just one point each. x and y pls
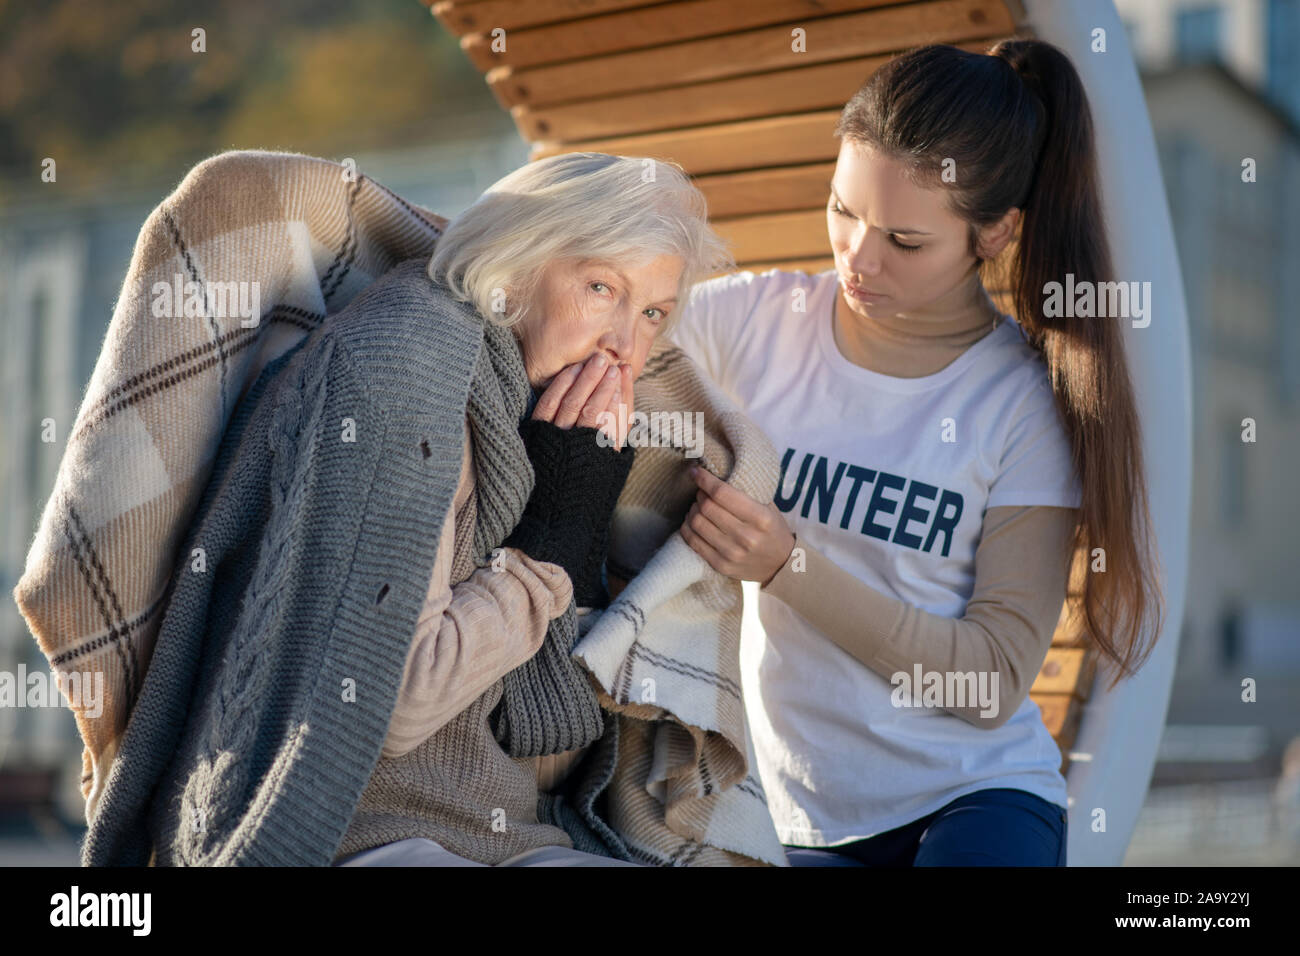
(940, 464)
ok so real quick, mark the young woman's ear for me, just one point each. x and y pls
(994, 237)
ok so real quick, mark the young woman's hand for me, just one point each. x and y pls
(734, 533)
(581, 392)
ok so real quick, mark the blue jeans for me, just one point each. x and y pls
(995, 827)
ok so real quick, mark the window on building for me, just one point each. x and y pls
(1197, 32)
(1283, 67)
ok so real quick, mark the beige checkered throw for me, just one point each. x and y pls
(307, 234)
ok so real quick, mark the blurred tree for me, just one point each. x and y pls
(115, 93)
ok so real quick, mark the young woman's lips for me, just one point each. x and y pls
(862, 295)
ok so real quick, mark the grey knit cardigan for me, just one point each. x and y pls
(266, 703)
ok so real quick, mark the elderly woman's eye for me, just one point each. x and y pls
(593, 285)
(661, 314)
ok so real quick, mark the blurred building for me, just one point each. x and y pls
(1256, 40)
(1222, 82)
(1240, 248)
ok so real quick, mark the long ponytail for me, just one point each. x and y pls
(1018, 125)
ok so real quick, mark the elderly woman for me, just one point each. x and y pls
(582, 258)
(406, 519)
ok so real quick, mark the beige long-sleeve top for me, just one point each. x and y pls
(1009, 621)
(442, 775)
(471, 633)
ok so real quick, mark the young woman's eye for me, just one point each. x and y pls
(841, 211)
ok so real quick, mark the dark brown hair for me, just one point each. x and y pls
(1016, 121)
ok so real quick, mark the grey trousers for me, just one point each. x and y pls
(421, 851)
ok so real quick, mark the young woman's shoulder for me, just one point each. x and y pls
(1033, 446)
(1011, 359)
(729, 319)
(756, 285)
(732, 302)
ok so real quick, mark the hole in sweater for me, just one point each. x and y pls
(424, 447)
(383, 593)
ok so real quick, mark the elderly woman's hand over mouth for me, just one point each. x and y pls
(570, 466)
(581, 392)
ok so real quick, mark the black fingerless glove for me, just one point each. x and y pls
(566, 521)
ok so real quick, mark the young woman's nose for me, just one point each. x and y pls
(864, 252)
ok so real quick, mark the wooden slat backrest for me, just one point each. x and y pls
(1065, 680)
(463, 17)
(843, 37)
(823, 86)
(723, 88)
(756, 191)
(722, 147)
(643, 27)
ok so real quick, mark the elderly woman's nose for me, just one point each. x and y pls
(619, 340)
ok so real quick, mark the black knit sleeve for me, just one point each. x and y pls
(566, 521)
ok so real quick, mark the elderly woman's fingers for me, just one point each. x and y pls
(619, 422)
(580, 393)
(599, 402)
(620, 407)
(548, 405)
(626, 392)
(607, 417)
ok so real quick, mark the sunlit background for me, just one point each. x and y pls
(116, 94)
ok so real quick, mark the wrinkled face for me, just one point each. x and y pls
(585, 307)
(898, 249)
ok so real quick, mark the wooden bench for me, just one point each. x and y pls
(744, 95)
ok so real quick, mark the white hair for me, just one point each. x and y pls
(620, 209)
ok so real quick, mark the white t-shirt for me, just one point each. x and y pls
(889, 478)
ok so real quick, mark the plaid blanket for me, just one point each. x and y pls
(249, 254)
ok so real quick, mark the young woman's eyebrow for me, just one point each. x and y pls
(899, 232)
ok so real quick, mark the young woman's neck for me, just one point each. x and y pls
(913, 344)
